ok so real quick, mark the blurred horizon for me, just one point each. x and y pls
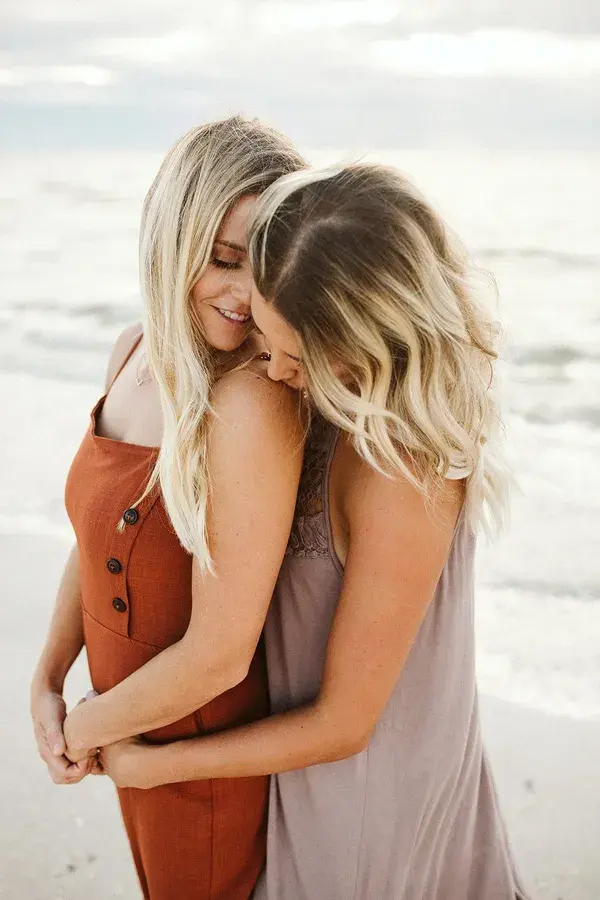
(357, 74)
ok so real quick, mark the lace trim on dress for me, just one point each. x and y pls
(308, 537)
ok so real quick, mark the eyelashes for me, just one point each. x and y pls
(267, 352)
(224, 264)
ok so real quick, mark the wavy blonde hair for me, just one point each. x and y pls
(365, 271)
(202, 177)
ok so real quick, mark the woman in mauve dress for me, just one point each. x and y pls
(184, 452)
(382, 789)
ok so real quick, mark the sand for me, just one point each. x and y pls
(67, 843)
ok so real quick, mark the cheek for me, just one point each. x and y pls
(299, 380)
(207, 288)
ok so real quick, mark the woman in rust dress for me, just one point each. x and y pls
(169, 582)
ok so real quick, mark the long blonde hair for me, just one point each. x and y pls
(365, 271)
(202, 177)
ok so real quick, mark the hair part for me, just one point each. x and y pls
(369, 276)
(200, 180)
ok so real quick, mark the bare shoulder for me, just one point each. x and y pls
(394, 502)
(248, 402)
(121, 348)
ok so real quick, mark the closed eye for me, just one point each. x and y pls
(289, 355)
(225, 264)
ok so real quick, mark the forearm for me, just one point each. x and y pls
(302, 737)
(65, 634)
(170, 686)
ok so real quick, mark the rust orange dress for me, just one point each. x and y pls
(202, 840)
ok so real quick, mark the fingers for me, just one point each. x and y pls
(79, 756)
(61, 769)
(89, 696)
(50, 741)
(97, 768)
(58, 768)
(49, 722)
(77, 771)
(46, 749)
(64, 772)
(56, 741)
(48, 715)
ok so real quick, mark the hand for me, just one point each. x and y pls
(77, 756)
(126, 763)
(48, 710)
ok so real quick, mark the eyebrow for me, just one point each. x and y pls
(231, 244)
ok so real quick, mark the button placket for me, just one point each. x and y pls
(118, 600)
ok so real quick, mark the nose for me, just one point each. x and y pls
(280, 368)
(241, 285)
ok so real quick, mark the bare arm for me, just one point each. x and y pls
(64, 642)
(254, 460)
(397, 549)
(65, 634)
(62, 647)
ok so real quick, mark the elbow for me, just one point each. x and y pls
(351, 745)
(361, 741)
(216, 675)
(235, 666)
(234, 673)
(343, 739)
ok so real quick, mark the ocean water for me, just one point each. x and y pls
(68, 285)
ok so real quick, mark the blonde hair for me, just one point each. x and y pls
(365, 271)
(201, 178)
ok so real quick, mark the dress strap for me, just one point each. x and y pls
(127, 357)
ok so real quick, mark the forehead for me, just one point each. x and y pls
(278, 333)
(234, 225)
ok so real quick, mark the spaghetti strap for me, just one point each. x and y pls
(128, 356)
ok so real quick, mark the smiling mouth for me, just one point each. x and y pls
(232, 317)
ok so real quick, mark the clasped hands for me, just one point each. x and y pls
(68, 766)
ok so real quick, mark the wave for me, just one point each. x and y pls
(80, 193)
(109, 313)
(551, 355)
(560, 257)
(581, 415)
(548, 589)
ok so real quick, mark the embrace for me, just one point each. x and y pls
(275, 507)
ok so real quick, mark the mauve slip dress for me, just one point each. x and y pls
(414, 816)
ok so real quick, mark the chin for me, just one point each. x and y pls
(227, 343)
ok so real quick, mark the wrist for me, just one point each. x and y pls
(74, 733)
(150, 765)
(46, 683)
(136, 766)
(50, 676)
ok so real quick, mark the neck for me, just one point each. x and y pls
(226, 361)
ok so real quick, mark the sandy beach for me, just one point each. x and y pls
(63, 843)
